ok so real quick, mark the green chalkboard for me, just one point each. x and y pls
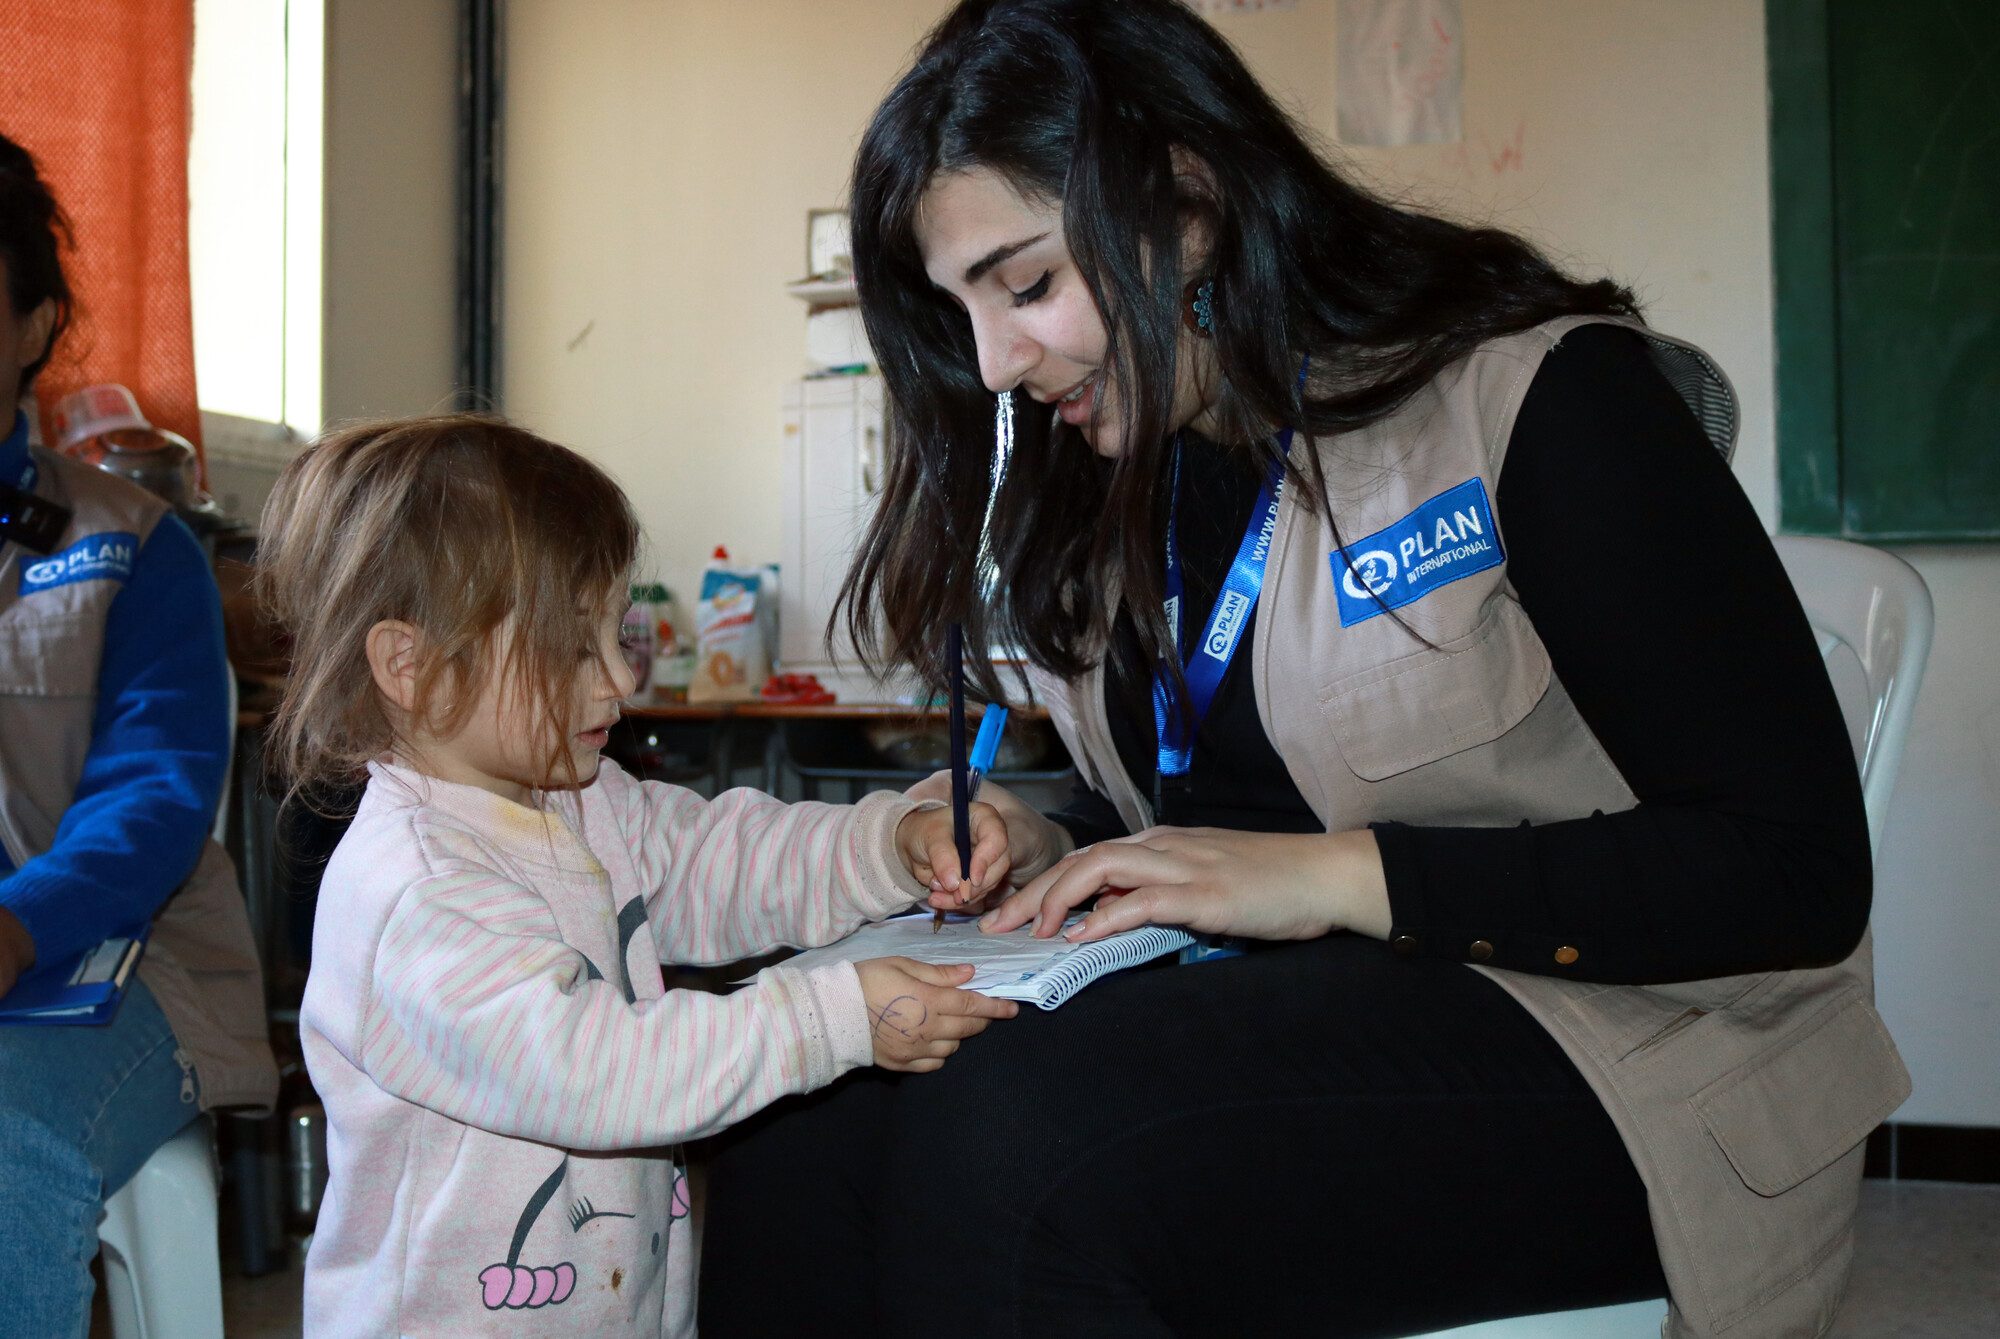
(1885, 155)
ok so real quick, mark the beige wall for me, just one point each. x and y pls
(1937, 883)
(1626, 137)
(661, 158)
(391, 159)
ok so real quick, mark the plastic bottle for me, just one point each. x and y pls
(673, 659)
(732, 649)
(637, 632)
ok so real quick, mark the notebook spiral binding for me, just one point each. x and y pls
(1080, 968)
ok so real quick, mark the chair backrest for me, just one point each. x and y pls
(1872, 614)
(220, 832)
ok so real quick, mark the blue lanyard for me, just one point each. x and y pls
(27, 471)
(20, 429)
(1234, 603)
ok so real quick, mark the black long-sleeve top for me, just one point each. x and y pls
(1669, 619)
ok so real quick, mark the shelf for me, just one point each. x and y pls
(824, 292)
(891, 772)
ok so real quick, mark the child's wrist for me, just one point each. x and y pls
(885, 883)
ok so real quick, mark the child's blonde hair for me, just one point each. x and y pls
(452, 524)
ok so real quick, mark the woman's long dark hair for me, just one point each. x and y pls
(32, 230)
(1087, 103)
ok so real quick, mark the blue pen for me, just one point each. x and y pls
(985, 748)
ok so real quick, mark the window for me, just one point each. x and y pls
(254, 234)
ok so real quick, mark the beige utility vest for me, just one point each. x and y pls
(200, 963)
(1744, 1100)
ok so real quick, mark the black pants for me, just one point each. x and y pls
(1315, 1139)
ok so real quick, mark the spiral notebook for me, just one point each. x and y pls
(1013, 966)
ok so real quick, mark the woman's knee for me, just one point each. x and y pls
(50, 1192)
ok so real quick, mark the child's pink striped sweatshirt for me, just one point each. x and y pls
(503, 1071)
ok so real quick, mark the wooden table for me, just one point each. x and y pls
(803, 711)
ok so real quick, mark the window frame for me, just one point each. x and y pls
(302, 302)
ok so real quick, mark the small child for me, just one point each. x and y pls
(504, 1072)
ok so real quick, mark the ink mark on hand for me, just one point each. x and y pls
(902, 1015)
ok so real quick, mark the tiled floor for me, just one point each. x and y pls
(1928, 1267)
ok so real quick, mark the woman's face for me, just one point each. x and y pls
(1003, 260)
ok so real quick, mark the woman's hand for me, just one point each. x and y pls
(17, 950)
(1261, 885)
(916, 1014)
(1033, 842)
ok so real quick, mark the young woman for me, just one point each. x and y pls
(1386, 584)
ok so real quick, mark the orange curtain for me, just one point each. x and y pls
(99, 92)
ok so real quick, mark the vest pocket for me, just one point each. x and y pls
(1779, 1120)
(1430, 705)
(50, 655)
(1676, 1025)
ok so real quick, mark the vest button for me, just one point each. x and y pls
(1480, 950)
(1566, 955)
(1404, 945)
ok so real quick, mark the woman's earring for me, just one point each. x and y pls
(1198, 308)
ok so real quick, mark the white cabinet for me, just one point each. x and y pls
(834, 444)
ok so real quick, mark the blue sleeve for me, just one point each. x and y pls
(159, 746)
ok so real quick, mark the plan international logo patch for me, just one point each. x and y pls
(1449, 537)
(105, 557)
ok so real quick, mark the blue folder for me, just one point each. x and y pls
(83, 989)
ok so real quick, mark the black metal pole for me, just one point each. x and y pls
(478, 204)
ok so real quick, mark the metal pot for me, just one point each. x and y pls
(161, 462)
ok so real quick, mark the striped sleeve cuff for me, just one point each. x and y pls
(886, 884)
(832, 1019)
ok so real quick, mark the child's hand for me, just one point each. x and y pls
(924, 839)
(1033, 842)
(915, 1015)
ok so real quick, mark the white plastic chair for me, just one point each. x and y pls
(1872, 615)
(162, 1259)
(162, 1267)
